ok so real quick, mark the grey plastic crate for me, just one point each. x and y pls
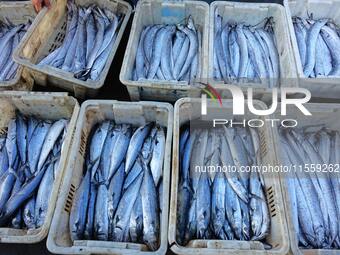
(48, 33)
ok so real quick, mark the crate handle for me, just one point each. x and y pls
(69, 199)
(3, 131)
(83, 141)
(270, 194)
(263, 144)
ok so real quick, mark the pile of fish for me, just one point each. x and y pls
(90, 35)
(319, 46)
(245, 53)
(10, 36)
(29, 160)
(314, 196)
(220, 204)
(169, 52)
(120, 195)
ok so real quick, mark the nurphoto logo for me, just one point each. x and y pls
(240, 101)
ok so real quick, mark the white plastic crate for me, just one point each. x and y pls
(17, 13)
(319, 87)
(43, 106)
(253, 14)
(323, 114)
(92, 112)
(48, 33)
(189, 109)
(149, 12)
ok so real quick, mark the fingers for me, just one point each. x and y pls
(47, 3)
(37, 5)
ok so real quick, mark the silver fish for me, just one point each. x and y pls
(312, 37)
(115, 191)
(21, 137)
(136, 144)
(101, 217)
(11, 145)
(136, 221)
(158, 151)
(150, 207)
(120, 147)
(50, 139)
(79, 208)
(43, 196)
(29, 213)
(122, 216)
(36, 143)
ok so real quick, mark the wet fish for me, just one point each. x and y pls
(101, 217)
(43, 195)
(29, 213)
(120, 147)
(156, 163)
(169, 52)
(35, 145)
(150, 207)
(136, 144)
(90, 35)
(10, 37)
(122, 216)
(114, 194)
(79, 208)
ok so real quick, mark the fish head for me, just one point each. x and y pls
(147, 147)
(172, 29)
(320, 236)
(180, 34)
(109, 14)
(126, 129)
(101, 233)
(181, 27)
(151, 240)
(191, 23)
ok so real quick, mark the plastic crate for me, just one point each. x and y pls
(92, 112)
(17, 13)
(322, 115)
(319, 87)
(48, 33)
(254, 14)
(43, 106)
(189, 109)
(149, 12)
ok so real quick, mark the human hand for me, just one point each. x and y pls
(39, 4)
